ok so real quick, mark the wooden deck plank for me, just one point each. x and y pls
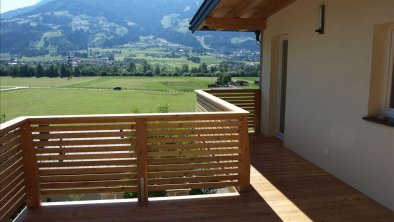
(284, 187)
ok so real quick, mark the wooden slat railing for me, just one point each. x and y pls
(61, 155)
(12, 176)
(74, 157)
(247, 99)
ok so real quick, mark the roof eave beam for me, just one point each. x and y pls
(249, 24)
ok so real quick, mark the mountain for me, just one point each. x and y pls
(59, 26)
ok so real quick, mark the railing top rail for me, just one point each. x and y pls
(120, 118)
(12, 124)
(230, 107)
(231, 111)
(231, 90)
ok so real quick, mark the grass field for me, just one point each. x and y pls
(61, 100)
(30, 102)
(147, 83)
(143, 83)
(53, 82)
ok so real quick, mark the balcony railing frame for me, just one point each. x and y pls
(222, 124)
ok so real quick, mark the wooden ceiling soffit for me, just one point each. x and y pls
(234, 24)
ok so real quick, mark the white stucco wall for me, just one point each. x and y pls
(328, 91)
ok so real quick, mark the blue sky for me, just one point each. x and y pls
(8, 5)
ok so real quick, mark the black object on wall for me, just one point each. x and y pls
(322, 16)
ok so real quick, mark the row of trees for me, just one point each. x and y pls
(131, 69)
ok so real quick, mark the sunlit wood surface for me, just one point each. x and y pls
(285, 187)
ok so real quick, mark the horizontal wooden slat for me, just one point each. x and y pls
(83, 142)
(16, 203)
(212, 106)
(193, 138)
(194, 145)
(189, 166)
(213, 91)
(193, 153)
(8, 147)
(200, 124)
(234, 95)
(87, 163)
(88, 184)
(241, 100)
(179, 180)
(106, 127)
(10, 161)
(192, 160)
(85, 149)
(87, 190)
(15, 166)
(7, 194)
(84, 135)
(215, 131)
(191, 185)
(189, 173)
(77, 171)
(10, 182)
(86, 156)
(88, 177)
(10, 136)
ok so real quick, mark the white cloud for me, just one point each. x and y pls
(187, 8)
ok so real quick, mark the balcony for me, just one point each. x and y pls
(44, 156)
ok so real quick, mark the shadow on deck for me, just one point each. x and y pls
(285, 187)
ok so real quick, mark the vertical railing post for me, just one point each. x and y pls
(142, 161)
(33, 194)
(244, 183)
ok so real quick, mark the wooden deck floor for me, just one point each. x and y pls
(285, 187)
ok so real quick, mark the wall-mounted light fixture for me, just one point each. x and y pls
(258, 36)
(322, 15)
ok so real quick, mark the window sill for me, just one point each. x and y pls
(373, 119)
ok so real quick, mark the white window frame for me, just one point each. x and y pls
(279, 107)
(390, 74)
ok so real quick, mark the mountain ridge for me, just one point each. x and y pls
(59, 26)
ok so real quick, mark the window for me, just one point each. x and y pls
(381, 90)
(390, 86)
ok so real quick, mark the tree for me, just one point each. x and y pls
(214, 69)
(40, 72)
(15, 71)
(194, 70)
(63, 71)
(77, 71)
(23, 71)
(178, 71)
(52, 72)
(223, 79)
(31, 71)
(149, 73)
(185, 68)
(132, 68)
(3, 71)
(146, 66)
(157, 70)
(204, 68)
(195, 59)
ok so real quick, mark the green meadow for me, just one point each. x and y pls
(94, 95)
